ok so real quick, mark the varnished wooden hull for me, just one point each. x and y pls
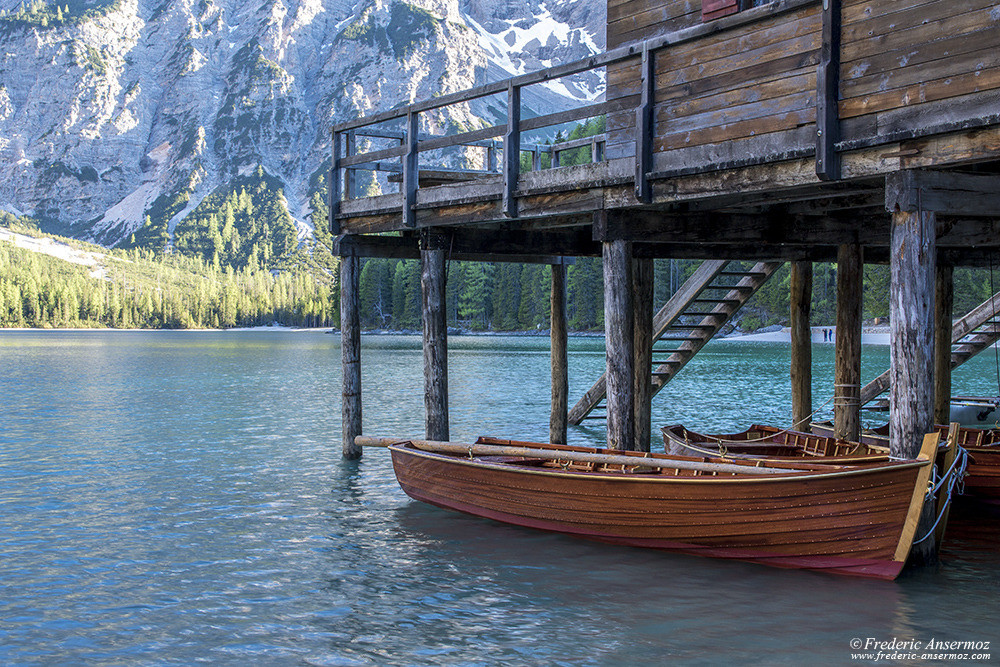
(772, 443)
(982, 476)
(848, 521)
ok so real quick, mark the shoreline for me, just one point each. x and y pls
(870, 336)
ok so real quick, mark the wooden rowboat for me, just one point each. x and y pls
(982, 474)
(857, 520)
(760, 441)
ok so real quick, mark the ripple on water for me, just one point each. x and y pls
(173, 498)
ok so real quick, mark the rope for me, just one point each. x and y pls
(993, 304)
(954, 476)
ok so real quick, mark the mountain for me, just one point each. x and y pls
(204, 125)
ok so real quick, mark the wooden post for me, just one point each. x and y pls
(800, 300)
(911, 323)
(411, 170)
(944, 296)
(847, 371)
(350, 346)
(827, 94)
(912, 260)
(619, 343)
(432, 286)
(512, 151)
(644, 120)
(560, 366)
(642, 324)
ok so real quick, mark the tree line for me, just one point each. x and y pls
(142, 289)
(138, 290)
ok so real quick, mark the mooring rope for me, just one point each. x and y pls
(954, 476)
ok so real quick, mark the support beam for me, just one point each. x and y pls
(800, 301)
(944, 297)
(619, 342)
(911, 354)
(642, 331)
(947, 192)
(432, 286)
(350, 346)
(847, 371)
(560, 360)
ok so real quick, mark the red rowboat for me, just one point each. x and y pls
(857, 520)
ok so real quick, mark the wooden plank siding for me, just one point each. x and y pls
(751, 90)
(733, 86)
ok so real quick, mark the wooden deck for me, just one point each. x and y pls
(745, 137)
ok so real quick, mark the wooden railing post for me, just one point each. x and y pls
(944, 299)
(512, 151)
(644, 129)
(333, 194)
(410, 170)
(351, 177)
(491, 157)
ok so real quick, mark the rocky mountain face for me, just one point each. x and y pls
(122, 120)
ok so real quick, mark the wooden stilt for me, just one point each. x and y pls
(642, 330)
(911, 314)
(847, 371)
(800, 301)
(944, 295)
(560, 367)
(432, 284)
(350, 345)
(619, 342)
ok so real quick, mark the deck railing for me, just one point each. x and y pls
(346, 159)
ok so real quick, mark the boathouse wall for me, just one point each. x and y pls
(747, 86)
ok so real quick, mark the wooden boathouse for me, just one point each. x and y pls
(738, 131)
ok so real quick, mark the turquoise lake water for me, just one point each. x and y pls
(180, 497)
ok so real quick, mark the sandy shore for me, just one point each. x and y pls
(869, 336)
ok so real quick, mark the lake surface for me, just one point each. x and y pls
(180, 497)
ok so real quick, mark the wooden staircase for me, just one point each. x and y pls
(972, 334)
(695, 313)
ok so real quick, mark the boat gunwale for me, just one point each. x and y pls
(404, 447)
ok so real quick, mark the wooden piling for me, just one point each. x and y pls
(944, 295)
(800, 301)
(559, 357)
(642, 330)
(912, 259)
(619, 341)
(847, 370)
(350, 346)
(435, 331)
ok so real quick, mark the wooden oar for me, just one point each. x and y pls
(538, 453)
